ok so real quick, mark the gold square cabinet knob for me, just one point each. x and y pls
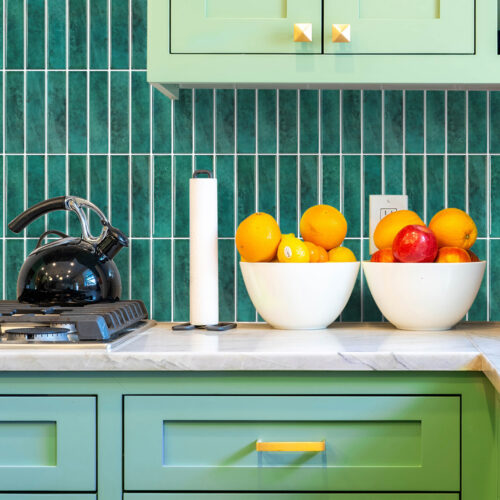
(341, 33)
(303, 32)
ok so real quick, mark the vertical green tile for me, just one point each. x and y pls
(161, 309)
(352, 311)
(477, 193)
(267, 121)
(99, 34)
(414, 121)
(14, 34)
(225, 186)
(495, 198)
(35, 174)
(288, 177)
(331, 181)
(226, 280)
(435, 186)
(141, 270)
(77, 112)
(267, 184)
(35, 112)
(479, 309)
(120, 212)
(495, 280)
(14, 189)
(204, 121)
(393, 174)
(371, 311)
(246, 187)
(330, 121)
(98, 112)
(77, 186)
(120, 25)
(56, 34)
(415, 184)
(456, 121)
(288, 113)
(245, 308)
(77, 34)
(351, 121)
(57, 187)
(98, 190)
(246, 121)
(435, 109)
(224, 121)
(14, 255)
(14, 112)
(183, 121)
(495, 122)
(309, 121)
(181, 280)
(141, 213)
(352, 195)
(456, 182)
(478, 127)
(204, 162)
(182, 173)
(393, 121)
(162, 197)
(139, 34)
(56, 112)
(162, 134)
(120, 93)
(372, 179)
(123, 263)
(308, 182)
(35, 34)
(372, 121)
(140, 113)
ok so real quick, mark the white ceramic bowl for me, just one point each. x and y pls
(299, 296)
(424, 296)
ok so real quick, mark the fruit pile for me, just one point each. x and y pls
(323, 229)
(403, 237)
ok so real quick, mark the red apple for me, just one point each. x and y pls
(415, 244)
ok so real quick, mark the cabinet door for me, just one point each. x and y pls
(370, 443)
(288, 496)
(402, 26)
(242, 26)
(47, 444)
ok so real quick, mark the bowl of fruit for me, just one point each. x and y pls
(297, 284)
(425, 277)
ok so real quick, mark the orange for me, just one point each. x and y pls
(341, 254)
(452, 255)
(323, 225)
(291, 249)
(384, 255)
(454, 228)
(323, 254)
(391, 224)
(258, 237)
(313, 251)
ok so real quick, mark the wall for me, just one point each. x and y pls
(79, 117)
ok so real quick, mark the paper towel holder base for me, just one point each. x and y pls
(219, 327)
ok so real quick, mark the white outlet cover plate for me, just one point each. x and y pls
(382, 205)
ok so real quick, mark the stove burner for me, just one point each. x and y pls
(37, 330)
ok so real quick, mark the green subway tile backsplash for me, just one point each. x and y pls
(77, 116)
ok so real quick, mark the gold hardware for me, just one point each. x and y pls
(341, 33)
(290, 446)
(303, 32)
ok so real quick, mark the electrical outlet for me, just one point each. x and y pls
(382, 205)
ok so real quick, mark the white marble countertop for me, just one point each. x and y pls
(250, 347)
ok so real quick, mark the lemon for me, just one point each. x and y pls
(291, 249)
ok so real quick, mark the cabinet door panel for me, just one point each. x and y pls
(402, 26)
(240, 26)
(371, 443)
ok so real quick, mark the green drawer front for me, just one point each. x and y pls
(47, 444)
(289, 496)
(372, 443)
(47, 496)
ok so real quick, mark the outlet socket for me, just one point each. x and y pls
(382, 205)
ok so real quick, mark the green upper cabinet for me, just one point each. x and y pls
(236, 26)
(399, 26)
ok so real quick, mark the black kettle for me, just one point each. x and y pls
(70, 271)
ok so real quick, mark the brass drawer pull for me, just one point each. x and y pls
(290, 446)
(341, 33)
(303, 32)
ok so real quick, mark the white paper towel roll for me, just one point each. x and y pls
(203, 254)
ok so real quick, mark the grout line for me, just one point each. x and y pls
(277, 163)
(445, 166)
(108, 118)
(151, 205)
(320, 157)
(172, 211)
(403, 166)
(46, 105)
(193, 130)
(235, 188)
(4, 166)
(488, 207)
(362, 202)
(66, 163)
(425, 157)
(256, 163)
(130, 197)
(382, 163)
(25, 116)
(299, 197)
(341, 164)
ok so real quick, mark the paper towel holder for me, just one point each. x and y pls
(219, 327)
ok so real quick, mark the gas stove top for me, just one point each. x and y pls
(89, 325)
